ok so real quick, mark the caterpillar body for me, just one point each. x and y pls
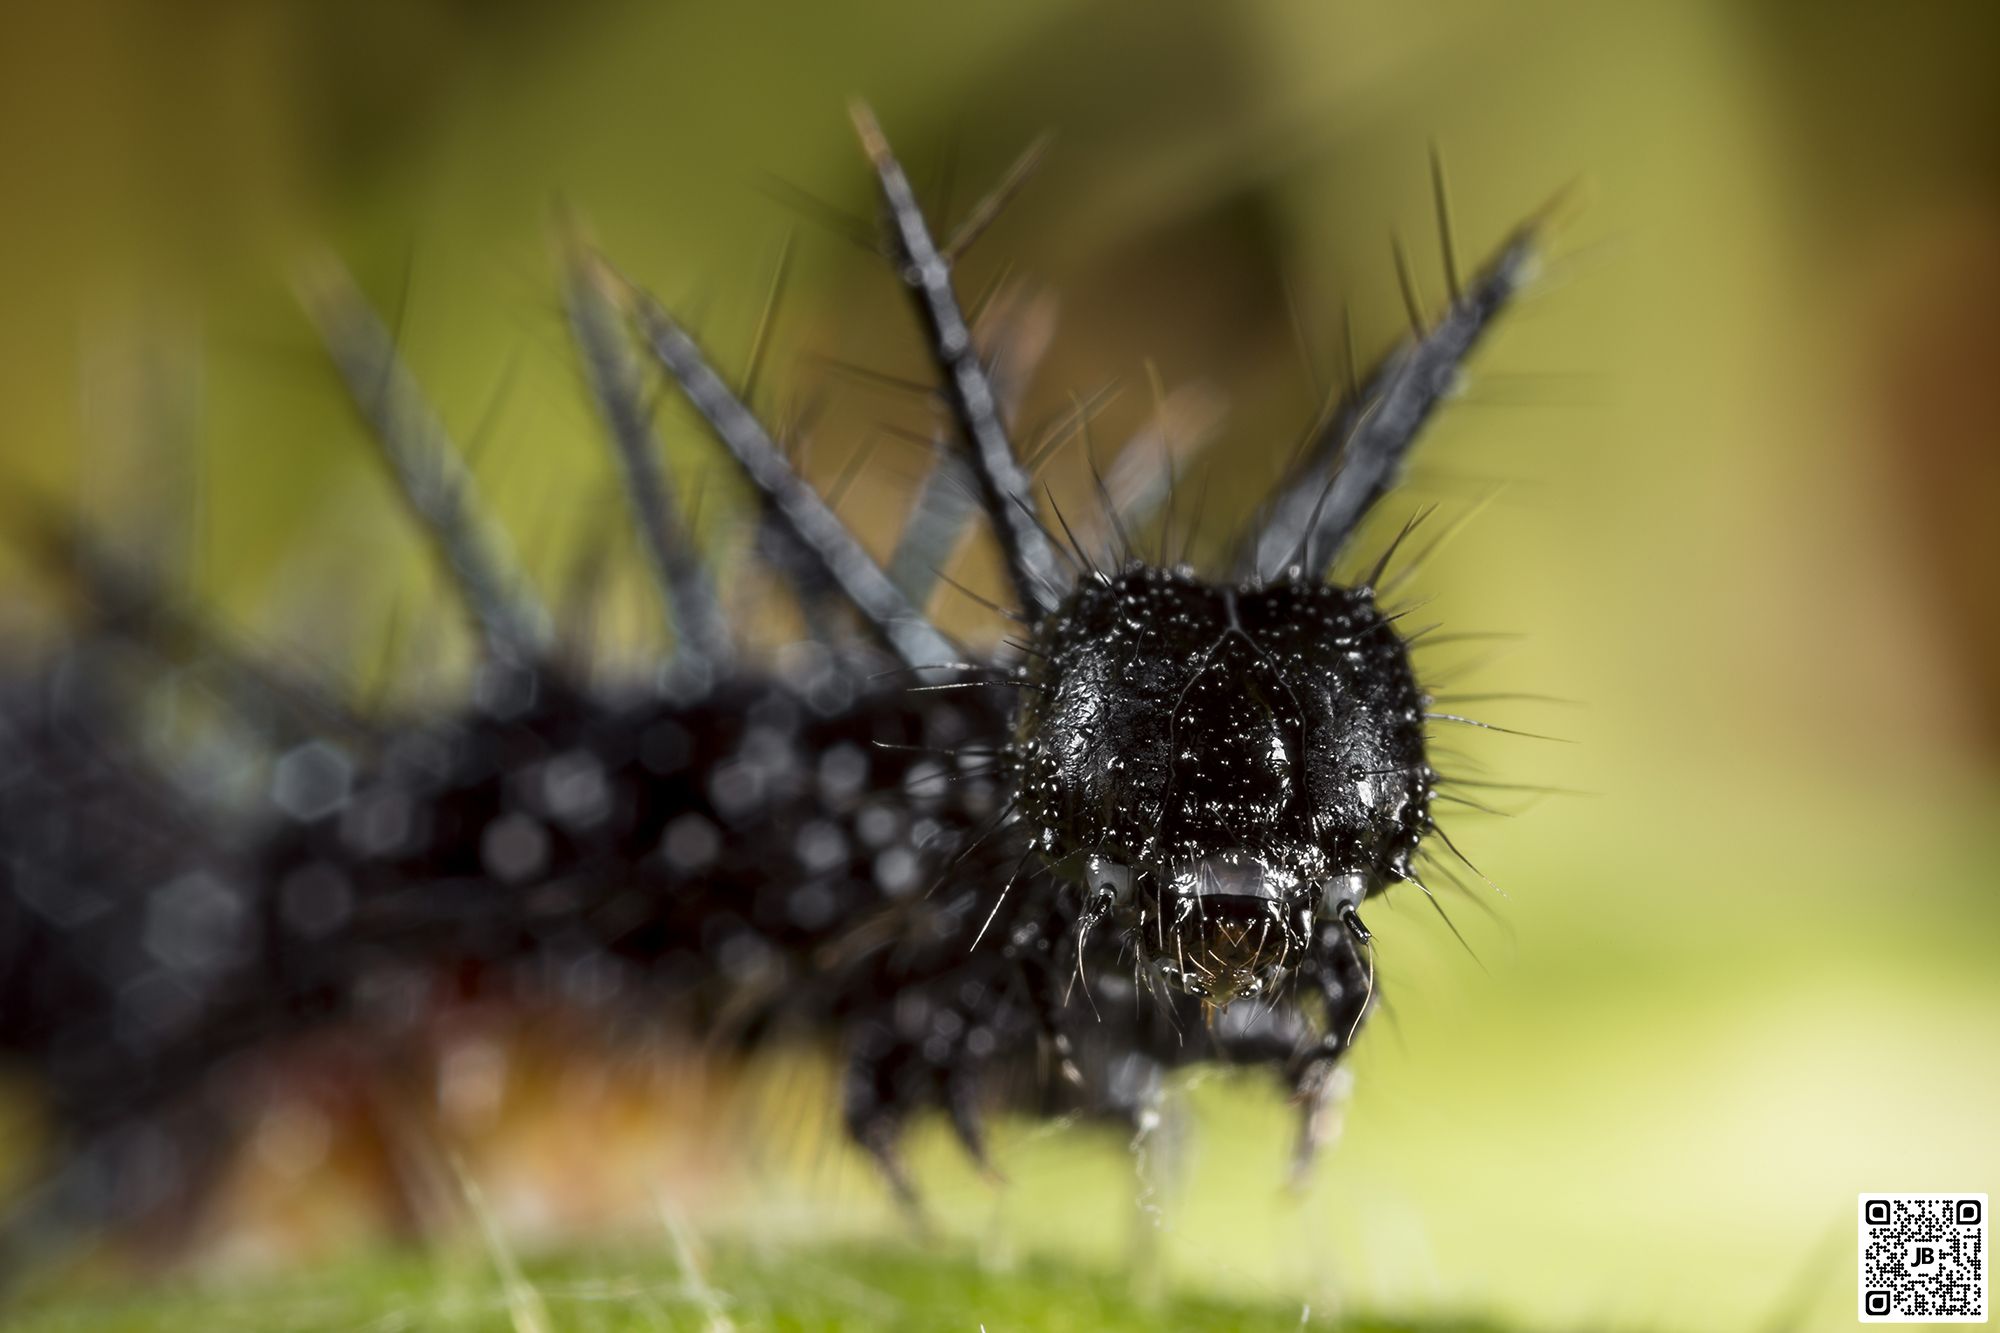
(1140, 836)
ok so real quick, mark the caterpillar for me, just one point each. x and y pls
(1138, 836)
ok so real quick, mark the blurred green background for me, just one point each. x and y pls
(1746, 425)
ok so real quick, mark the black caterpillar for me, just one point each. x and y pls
(1169, 786)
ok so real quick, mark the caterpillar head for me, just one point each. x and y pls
(1225, 768)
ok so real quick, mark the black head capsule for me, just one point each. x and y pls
(1226, 768)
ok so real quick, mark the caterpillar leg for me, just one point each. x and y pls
(899, 1063)
(1053, 961)
(1341, 971)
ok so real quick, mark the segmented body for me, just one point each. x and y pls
(1137, 840)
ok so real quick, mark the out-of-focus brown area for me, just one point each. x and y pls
(1887, 127)
(1744, 426)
